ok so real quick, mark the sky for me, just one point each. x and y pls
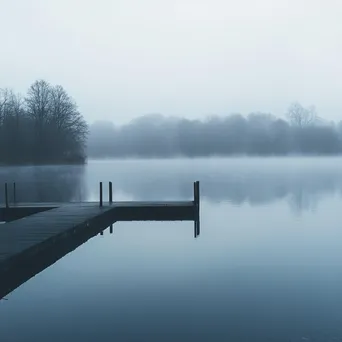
(120, 59)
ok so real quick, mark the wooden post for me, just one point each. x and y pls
(197, 227)
(101, 233)
(195, 199)
(110, 192)
(14, 193)
(111, 229)
(196, 209)
(196, 193)
(101, 195)
(198, 196)
(6, 195)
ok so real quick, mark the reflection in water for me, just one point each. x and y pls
(301, 182)
(258, 272)
(44, 183)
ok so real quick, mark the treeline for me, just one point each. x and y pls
(45, 126)
(302, 132)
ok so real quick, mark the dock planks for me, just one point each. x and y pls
(30, 244)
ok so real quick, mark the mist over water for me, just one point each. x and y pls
(301, 182)
(44, 183)
(267, 266)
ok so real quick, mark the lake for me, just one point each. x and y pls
(266, 267)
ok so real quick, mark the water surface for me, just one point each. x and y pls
(267, 266)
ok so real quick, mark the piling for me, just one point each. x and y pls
(196, 208)
(110, 192)
(6, 195)
(101, 195)
(14, 193)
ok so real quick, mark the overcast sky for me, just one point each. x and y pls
(123, 58)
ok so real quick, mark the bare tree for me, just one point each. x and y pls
(44, 127)
(38, 101)
(67, 123)
(18, 136)
(300, 116)
(38, 109)
(4, 99)
(60, 129)
(11, 111)
(64, 112)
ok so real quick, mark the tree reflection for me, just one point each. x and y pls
(44, 183)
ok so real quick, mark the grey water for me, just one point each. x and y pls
(267, 266)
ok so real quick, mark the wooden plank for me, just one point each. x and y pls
(34, 229)
(24, 210)
(30, 244)
(92, 204)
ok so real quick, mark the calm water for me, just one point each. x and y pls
(267, 266)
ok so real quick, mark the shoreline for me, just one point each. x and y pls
(45, 164)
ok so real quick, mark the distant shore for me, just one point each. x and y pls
(47, 163)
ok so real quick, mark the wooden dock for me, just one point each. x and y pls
(39, 234)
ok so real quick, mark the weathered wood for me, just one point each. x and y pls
(196, 193)
(110, 189)
(30, 244)
(196, 209)
(14, 193)
(6, 195)
(101, 195)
